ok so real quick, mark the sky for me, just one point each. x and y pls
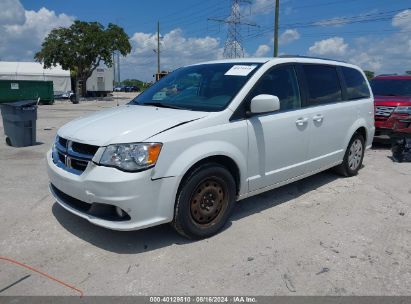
(374, 34)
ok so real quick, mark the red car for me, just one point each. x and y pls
(392, 100)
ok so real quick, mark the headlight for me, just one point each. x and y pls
(131, 157)
(405, 110)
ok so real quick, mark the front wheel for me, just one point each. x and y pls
(205, 201)
(353, 156)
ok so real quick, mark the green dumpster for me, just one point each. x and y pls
(14, 90)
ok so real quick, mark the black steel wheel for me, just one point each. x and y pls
(205, 201)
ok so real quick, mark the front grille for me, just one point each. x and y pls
(80, 165)
(84, 149)
(73, 156)
(62, 141)
(62, 158)
(383, 111)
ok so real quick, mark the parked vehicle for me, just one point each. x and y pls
(66, 95)
(392, 95)
(132, 89)
(210, 134)
(119, 89)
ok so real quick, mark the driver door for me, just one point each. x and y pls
(278, 141)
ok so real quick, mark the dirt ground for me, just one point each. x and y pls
(324, 235)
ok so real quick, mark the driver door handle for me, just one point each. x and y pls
(318, 118)
(301, 121)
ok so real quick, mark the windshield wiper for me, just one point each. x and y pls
(161, 105)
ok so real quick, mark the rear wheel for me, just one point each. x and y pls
(204, 202)
(353, 156)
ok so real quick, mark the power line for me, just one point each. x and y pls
(176, 12)
(363, 18)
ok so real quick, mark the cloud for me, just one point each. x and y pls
(262, 50)
(289, 36)
(402, 20)
(12, 12)
(389, 54)
(176, 51)
(262, 7)
(334, 46)
(22, 31)
(367, 61)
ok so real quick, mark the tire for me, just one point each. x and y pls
(73, 99)
(353, 157)
(205, 201)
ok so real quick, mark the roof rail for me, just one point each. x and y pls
(309, 57)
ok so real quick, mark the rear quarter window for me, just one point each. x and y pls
(323, 84)
(357, 87)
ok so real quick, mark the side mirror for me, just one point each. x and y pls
(264, 103)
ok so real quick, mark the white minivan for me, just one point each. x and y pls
(210, 134)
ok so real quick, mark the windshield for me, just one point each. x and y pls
(206, 87)
(391, 87)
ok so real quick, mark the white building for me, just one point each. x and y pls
(35, 71)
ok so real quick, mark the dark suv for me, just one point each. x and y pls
(132, 89)
(392, 100)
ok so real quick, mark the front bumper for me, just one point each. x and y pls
(147, 202)
(394, 121)
(383, 126)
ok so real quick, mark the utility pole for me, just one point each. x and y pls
(158, 48)
(233, 45)
(276, 21)
(118, 67)
(114, 69)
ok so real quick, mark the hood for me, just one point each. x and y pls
(392, 101)
(125, 124)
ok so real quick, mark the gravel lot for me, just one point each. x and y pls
(324, 235)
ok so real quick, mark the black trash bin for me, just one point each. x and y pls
(19, 122)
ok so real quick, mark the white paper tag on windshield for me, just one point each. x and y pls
(240, 70)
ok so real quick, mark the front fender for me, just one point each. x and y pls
(177, 166)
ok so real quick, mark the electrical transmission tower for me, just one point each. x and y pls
(233, 46)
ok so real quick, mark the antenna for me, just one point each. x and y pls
(233, 45)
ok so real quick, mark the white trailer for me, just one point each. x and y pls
(100, 83)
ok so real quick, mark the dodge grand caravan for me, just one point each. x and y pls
(207, 135)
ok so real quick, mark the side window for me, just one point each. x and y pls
(281, 82)
(323, 84)
(356, 85)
